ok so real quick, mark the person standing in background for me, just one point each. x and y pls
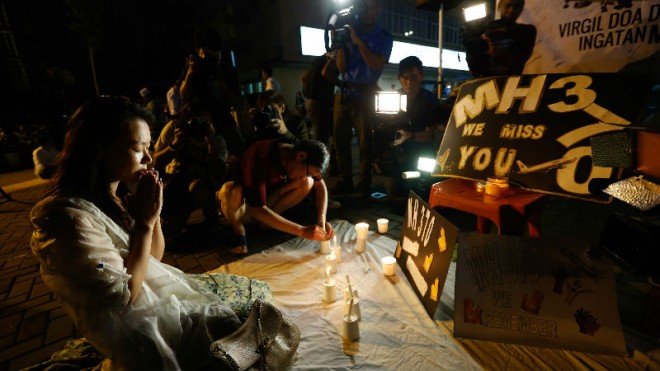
(360, 62)
(270, 83)
(503, 46)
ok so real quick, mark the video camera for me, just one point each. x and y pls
(337, 23)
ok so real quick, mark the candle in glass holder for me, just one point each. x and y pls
(324, 247)
(336, 251)
(360, 245)
(350, 327)
(349, 291)
(388, 265)
(383, 225)
(355, 310)
(361, 229)
(497, 187)
(329, 288)
(331, 263)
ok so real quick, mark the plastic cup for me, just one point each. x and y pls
(356, 307)
(347, 294)
(331, 264)
(361, 245)
(350, 329)
(383, 225)
(325, 247)
(336, 251)
(329, 291)
(362, 229)
(388, 265)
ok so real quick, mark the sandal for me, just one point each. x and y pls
(239, 243)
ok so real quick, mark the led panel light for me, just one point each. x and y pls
(472, 13)
(390, 102)
(426, 164)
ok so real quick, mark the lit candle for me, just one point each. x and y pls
(331, 263)
(336, 250)
(362, 229)
(325, 247)
(329, 288)
(388, 265)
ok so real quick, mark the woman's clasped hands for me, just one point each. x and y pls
(147, 201)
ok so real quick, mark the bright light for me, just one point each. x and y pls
(311, 42)
(390, 102)
(474, 12)
(410, 174)
(408, 33)
(426, 164)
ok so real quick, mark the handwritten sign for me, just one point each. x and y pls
(535, 129)
(425, 249)
(535, 292)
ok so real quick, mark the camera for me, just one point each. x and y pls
(195, 127)
(338, 21)
(266, 122)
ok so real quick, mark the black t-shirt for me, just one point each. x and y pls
(423, 111)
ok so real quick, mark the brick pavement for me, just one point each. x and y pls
(32, 324)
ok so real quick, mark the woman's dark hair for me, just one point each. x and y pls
(98, 123)
(317, 153)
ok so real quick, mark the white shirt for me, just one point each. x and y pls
(273, 84)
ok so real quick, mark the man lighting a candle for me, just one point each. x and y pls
(272, 176)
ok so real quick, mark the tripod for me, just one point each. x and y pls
(5, 196)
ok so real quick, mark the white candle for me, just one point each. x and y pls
(331, 263)
(383, 225)
(325, 247)
(336, 251)
(350, 327)
(329, 288)
(362, 229)
(388, 265)
(360, 245)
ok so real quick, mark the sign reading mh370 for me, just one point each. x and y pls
(535, 129)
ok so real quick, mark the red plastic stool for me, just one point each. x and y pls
(462, 195)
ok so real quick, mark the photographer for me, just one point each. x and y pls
(205, 79)
(273, 119)
(191, 157)
(360, 62)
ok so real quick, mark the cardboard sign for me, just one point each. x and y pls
(535, 292)
(579, 36)
(535, 129)
(425, 249)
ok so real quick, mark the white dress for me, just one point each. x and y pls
(171, 323)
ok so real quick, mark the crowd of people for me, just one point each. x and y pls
(124, 186)
(216, 154)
